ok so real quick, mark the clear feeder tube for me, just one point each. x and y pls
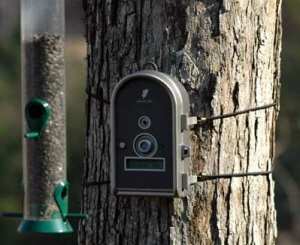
(43, 95)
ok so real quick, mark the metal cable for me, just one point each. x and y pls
(201, 178)
(97, 97)
(202, 120)
(11, 215)
(97, 183)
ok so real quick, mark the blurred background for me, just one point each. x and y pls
(287, 173)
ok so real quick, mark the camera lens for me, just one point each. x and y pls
(144, 122)
(144, 146)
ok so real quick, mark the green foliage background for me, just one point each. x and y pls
(287, 198)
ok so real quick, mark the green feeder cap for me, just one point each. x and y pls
(58, 223)
(51, 226)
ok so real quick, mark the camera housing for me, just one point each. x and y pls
(149, 136)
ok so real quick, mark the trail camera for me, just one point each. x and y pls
(149, 139)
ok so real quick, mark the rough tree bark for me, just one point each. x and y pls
(227, 55)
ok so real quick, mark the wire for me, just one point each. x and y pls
(201, 120)
(11, 215)
(97, 97)
(201, 178)
(97, 183)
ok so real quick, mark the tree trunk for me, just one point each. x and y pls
(227, 55)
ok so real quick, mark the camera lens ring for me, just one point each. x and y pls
(144, 146)
(150, 144)
(144, 122)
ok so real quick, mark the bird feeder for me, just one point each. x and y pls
(43, 92)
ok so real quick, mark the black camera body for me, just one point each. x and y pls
(149, 135)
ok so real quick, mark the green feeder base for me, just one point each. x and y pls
(45, 226)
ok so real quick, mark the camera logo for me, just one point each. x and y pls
(145, 93)
(144, 97)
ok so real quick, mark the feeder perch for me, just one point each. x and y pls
(37, 114)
